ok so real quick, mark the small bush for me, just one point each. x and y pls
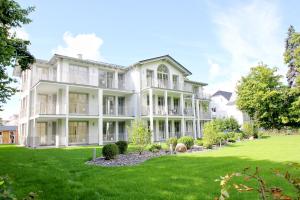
(110, 151)
(238, 136)
(172, 141)
(122, 145)
(187, 140)
(199, 142)
(250, 130)
(155, 148)
(207, 144)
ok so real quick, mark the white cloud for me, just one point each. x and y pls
(20, 33)
(248, 33)
(214, 69)
(86, 44)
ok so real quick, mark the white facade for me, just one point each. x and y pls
(223, 106)
(67, 101)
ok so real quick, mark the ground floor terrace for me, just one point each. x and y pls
(54, 131)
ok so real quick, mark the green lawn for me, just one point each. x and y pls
(62, 174)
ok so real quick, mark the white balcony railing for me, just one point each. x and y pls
(174, 111)
(188, 111)
(205, 115)
(122, 111)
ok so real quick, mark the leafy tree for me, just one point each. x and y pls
(140, 135)
(13, 51)
(289, 56)
(262, 96)
(230, 125)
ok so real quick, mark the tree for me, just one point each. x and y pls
(262, 96)
(140, 135)
(13, 51)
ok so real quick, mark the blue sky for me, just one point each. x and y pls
(218, 41)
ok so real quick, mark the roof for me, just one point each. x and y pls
(168, 57)
(103, 64)
(195, 82)
(8, 128)
(226, 95)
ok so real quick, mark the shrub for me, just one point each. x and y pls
(155, 148)
(199, 142)
(172, 141)
(110, 151)
(249, 130)
(238, 136)
(187, 140)
(122, 145)
(140, 135)
(210, 133)
(207, 144)
(232, 140)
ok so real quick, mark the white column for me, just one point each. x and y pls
(182, 104)
(67, 115)
(198, 118)
(116, 80)
(194, 118)
(117, 131)
(166, 101)
(151, 113)
(157, 136)
(56, 134)
(182, 127)
(34, 133)
(167, 128)
(116, 105)
(34, 101)
(100, 119)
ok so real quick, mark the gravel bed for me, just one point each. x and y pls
(135, 158)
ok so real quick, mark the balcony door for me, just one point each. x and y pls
(42, 104)
(79, 74)
(161, 130)
(149, 78)
(78, 132)
(109, 131)
(162, 76)
(177, 129)
(78, 103)
(109, 105)
(121, 105)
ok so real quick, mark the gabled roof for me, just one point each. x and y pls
(226, 95)
(170, 59)
(8, 128)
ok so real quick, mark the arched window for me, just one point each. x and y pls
(162, 76)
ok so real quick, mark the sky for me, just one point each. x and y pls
(218, 41)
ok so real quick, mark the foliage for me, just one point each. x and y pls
(207, 144)
(292, 55)
(110, 151)
(230, 124)
(264, 98)
(205, 105)
(249, 129)
(122, 145)
(265, 192)
(13, 50)
(155, 148)
(172, 141)
(140, 135)
(187, 140)
(199, 142)
(7, 193)
(210, 133)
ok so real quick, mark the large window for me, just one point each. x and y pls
(161, 129)
(175, 82)
(106, 79)
(149, 78)
(78, 132)
(109, 131)
(162, 76)
(79, 74)
(78, 103)
(121, 106)
(109, 105)
(121, 81)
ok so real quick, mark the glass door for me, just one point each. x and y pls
(41, 130)
(78, 132)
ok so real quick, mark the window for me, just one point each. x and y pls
(121, 106)
(78, 132)
(161, 129)
(149, 78)
(102, 79)
(78, 74)
(175, 82)
(78, 103)
(162, 76)
(42, 73)
(121, 81)
(108, 105)
(109, 131)
(110, 79)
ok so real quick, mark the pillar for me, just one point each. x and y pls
(100, 117)
(67, 116)
(151, 114)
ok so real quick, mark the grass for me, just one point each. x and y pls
(62, 174)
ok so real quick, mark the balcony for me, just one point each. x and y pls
(203, 96)
(205, 115)
(122, 111)
(174, 111)
(188, 111)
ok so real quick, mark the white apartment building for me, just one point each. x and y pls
(69, 101)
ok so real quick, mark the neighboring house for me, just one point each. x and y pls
(223, 105)
(67, 101)
(8, 135)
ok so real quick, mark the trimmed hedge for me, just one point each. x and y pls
(155, 148)
(110, 151)
(187, 140)
(122, 145)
